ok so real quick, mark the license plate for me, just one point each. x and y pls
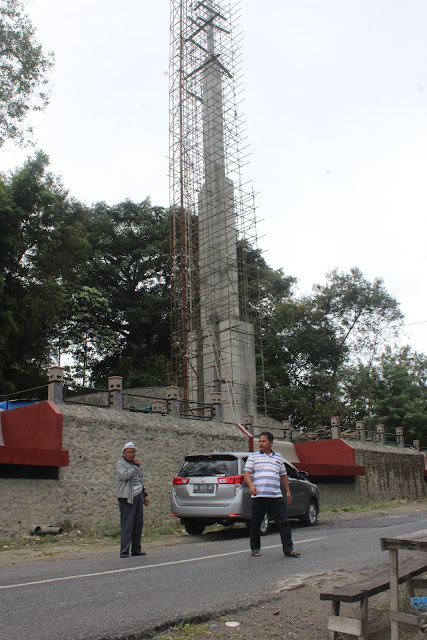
(203, 488)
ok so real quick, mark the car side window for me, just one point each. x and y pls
(292, 473)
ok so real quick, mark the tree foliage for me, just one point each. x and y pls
(24, 68)
(363, 314)
(35, 267)
(130, 264)
(89, 284)
(92, 284)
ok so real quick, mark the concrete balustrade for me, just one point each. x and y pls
(172, 401)
(158, 406)
(171, 406)
(287, 430)
(360, 429)
(248, 421)
(335, 427)
(217, 408)
(55, 391)
(115, 393)
(399, 437)
(380, 434)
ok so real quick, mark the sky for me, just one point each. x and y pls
(336, 115)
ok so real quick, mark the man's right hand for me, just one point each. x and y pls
(253, 490)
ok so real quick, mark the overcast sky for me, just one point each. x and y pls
(336, 108)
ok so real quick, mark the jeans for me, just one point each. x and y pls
(131, 520)
(277, 509)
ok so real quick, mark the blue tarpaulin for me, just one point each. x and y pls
(419, 604)
(15, 404)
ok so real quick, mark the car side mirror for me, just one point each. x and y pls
(303, 475)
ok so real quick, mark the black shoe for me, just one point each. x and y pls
(124, 555)
(140, 553)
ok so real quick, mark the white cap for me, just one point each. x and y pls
(129, 445)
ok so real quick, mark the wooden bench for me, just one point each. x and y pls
(362, 590)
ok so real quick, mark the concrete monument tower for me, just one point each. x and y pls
(215, 338)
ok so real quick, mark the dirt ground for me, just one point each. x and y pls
(297, 613)
(294, 611)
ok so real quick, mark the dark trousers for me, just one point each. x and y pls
(277, 509)
(131, 520)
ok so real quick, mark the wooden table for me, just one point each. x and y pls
(416, 541)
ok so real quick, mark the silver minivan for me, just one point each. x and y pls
(210, 489)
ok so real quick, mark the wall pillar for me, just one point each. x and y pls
(335, 427)
(249, 423)
(416, 444)
(287, 430)
(360, 429)
(217, 408)
(380, 434)
(115, 393)
(158, 406)
(399, 437)
(172, 401)
(55, 390)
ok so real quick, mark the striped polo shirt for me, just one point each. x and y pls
(266, 471)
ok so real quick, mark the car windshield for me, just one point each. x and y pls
(209, 466)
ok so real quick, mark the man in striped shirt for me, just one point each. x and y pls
(265, 473)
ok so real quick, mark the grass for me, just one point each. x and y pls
(184, 631)
(371, 506)
(104, 534)
(108, 533)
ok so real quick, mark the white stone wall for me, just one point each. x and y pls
(392, 473)
(84, 496)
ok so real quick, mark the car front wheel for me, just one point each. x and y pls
(194, 528)
(310, 516)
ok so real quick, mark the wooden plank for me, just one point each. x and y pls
(416, 541)
(407, 618)
(351, 626)
(394, 591)
(364, 617)
(371, 585)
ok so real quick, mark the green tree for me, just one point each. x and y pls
(302, 350)
(364, 315)
(315, 342)
(87, 334)
(24, 68)
(43, 251)
(130, 265)
(262, 291)
(400, 394)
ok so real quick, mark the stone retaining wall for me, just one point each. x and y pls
(392, 473)
(84, 496)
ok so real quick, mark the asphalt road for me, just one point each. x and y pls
(105, 597)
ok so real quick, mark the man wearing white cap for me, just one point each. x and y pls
(131, 496)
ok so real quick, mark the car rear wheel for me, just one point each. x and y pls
(310, 516)
(194, 528)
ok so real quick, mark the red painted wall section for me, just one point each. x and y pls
(327, 457)
(32, 435)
